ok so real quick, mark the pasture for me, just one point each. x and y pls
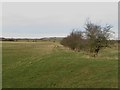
(50, 65)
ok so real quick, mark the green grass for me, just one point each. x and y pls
(42, 65)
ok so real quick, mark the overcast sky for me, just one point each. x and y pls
(36, 20)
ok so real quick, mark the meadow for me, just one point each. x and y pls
(47, 64)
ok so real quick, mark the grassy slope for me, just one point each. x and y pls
(41, 64)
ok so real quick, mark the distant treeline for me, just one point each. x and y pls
(33, 40)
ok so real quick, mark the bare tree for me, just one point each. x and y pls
(98, 36)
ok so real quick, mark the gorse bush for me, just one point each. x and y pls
(93, 39)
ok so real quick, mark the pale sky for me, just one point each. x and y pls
(46, 19)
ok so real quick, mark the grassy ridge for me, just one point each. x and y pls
(42, 64)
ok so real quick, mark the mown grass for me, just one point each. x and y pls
(43, 65)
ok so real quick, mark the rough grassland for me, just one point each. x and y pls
(43, 65)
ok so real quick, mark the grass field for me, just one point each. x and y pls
(43, 65)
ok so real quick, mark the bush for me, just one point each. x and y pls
(74, 40)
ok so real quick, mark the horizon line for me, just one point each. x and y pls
(34, 37)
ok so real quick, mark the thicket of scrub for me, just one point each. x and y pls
(92, 39)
